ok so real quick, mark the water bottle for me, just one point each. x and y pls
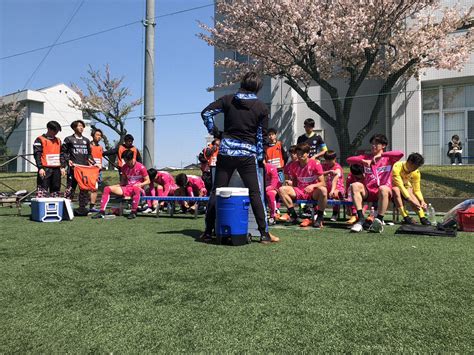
(372, 213)
(432, 214)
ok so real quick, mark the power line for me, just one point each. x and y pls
(102, 31)
(51, 48)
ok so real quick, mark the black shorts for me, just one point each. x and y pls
(51, 182)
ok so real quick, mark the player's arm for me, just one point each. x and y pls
(416, 185)
(357, 159)
(321, 182)
(394, 155)
(208, 114)
(397, 180)
(65, 157)
(38, 152)
(334, 182)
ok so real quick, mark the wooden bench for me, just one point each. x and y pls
(172, 200)
(313, 203)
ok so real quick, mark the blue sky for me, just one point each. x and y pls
(184, 63)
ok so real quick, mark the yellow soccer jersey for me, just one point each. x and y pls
(404, 180)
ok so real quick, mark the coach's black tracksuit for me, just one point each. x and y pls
(245, 129)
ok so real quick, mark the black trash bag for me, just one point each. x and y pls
(418, 229)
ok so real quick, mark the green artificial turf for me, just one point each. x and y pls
(147, 285)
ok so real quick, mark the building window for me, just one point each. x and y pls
(447, 110)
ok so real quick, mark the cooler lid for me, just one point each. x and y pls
(232, 191)
(48, 199)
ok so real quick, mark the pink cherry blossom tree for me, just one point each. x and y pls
(309, 42)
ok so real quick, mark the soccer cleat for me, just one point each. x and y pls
(282, 218)
(269, 238)
(98, 215)
(333, 218)
(357, 227)
(81, 212)
(377, 226)
(424, 221)
(148, 210)
(352, 220)
(408, 220)
(271, 221)
(318, 223)
(132, 215)
(305, 222)
(93, 210)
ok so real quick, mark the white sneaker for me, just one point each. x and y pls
(453, 163)
(357, 227)
(377, 226)
(333, 218)
(148, 210)
(460, 164)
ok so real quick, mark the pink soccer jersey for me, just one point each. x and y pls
(271, 176)
(195, 185)
(135, 175)
(288, 169)
(379, 173)
(306, 175)
(329, 178)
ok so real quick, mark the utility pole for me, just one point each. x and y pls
(149, 99)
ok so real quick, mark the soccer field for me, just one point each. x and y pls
(147, 285)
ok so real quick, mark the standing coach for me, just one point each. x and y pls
(241, 148)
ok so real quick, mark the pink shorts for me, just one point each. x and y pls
(301, 194)
(127, 190)
(373, 195)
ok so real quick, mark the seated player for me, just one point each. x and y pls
(406, 179)
(272, 184)
(377, 185)
(356, 174)
(286, 171)
(306, 183)
(161, 184)
(189, 185)
(134, 177)
(334, 180)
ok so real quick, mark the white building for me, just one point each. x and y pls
(43, 105)
(420, 116)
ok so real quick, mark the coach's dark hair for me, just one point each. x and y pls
(356, 169)
(76, 123)
(292, 149)
(127, 155)
(152, 173)
(330, 155)
(379, 138)
(416, 159)
(303, 147)
(251, 82)
(96, 130)
(128, 137)
(181, 180)
(455, 137)
(54, 126)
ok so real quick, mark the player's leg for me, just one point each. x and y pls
(359, 194)
(108, 190)
(287, 196)
(321, 195)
